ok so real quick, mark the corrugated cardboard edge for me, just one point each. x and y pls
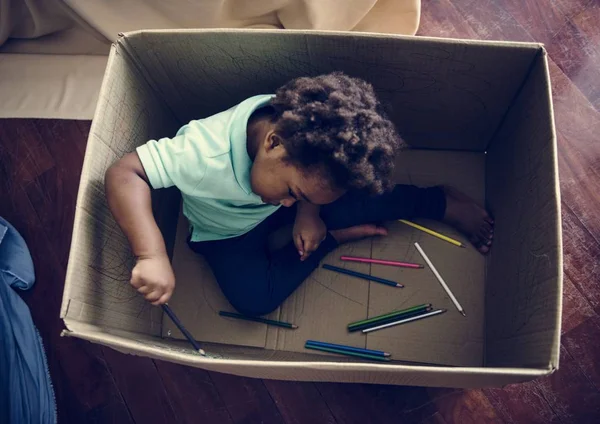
(138, 33)
(324, 371)
(555, 357)
(79, 211)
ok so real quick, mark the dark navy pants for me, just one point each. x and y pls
(256, 281)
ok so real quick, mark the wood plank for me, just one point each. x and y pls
(141, 387)
(582, 345)
(364, 403)
(464, 406)
(570, 48)
(587, 21)
(441, 19)
(193, 395)
(581, 255)
(565, 396)
(299, 402)
(434, 419)
(570, 393)
(521, 403)
(576, 308)
(571, 8)
(54, 193)
(490, 21)
(246, 399)
(92, 393)
(578, 125)
(24, 153)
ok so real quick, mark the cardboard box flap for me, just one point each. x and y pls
(352, 372)
(445, 94)
(524, 284)
(100, 261)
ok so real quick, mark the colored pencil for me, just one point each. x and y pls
(403, 321)
(381, 262)
(441, 280)
(348, 348)
(347, 353)
(186, 333)
(363, 276)
(388, 320)
(432, 233)
(391, 314)
(258, 319)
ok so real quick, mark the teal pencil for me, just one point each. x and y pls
(361, 275)
(347, 348)
(347, 353)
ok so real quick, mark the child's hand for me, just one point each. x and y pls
(153, 277)
(309, 232)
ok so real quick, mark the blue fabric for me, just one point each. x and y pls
(26, 394)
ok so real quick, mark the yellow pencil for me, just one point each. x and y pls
(432, 233)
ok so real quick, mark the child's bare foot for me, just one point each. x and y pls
(357, 232)
(467, 216)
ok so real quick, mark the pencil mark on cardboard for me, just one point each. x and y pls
(336, 292)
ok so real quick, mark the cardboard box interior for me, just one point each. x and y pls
(478, 116)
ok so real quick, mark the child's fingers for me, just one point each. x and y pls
(145, 289)
(136, 283)
(163, 299)
(310, 247)
(299, 243)
(153, 296)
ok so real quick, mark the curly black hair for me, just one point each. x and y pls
(335, 123)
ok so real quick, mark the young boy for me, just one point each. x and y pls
(320, 147)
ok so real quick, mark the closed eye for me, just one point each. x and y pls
(291, 193)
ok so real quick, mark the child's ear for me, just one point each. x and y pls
(272, 140)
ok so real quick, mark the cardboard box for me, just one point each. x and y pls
(478, 116)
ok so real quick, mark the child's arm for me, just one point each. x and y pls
(129, 197)
(309, 229)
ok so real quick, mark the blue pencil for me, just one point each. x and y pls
(348, 348)
(361, 275)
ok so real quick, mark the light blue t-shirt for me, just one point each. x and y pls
(208, 162)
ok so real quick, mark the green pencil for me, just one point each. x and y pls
(258, 319)
(390, 315)
(348, 353)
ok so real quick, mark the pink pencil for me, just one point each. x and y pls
(381, 262)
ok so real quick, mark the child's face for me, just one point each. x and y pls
(278, 182)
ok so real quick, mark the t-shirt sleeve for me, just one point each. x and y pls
(176, 161)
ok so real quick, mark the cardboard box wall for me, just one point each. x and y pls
(478, 116)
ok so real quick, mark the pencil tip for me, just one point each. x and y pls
(294, 326)
(463, 313)
(202, 352)
(399, 285)
(462, 245)
(387, 354)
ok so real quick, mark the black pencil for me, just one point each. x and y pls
(258, 319)
(361, 275)
(186, 333)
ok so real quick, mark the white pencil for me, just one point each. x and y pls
(402, 321)
(441, 280)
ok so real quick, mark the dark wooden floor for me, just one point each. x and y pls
(40, 162)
